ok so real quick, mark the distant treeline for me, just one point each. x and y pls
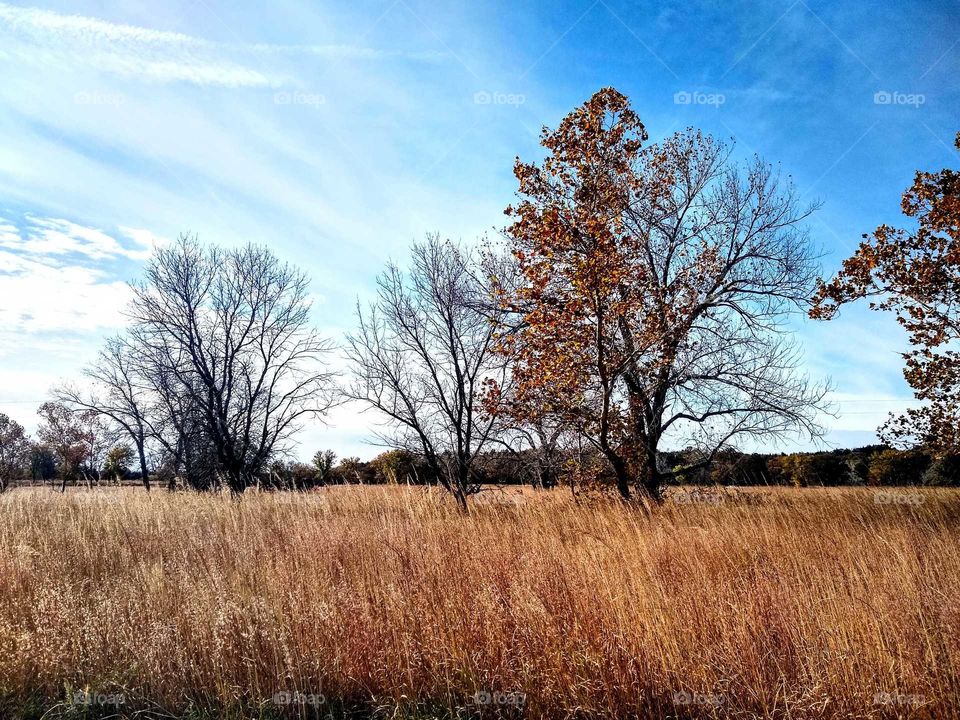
(76, 449)
(870, 465)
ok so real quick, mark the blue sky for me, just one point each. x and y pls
(337, 133)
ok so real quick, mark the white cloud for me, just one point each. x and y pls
(55, 277)
(47, 38)
(39, 297)
(130, 128)
(147, 241)
(50, 237)
(8, 232)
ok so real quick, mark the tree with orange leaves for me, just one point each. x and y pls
(654, 287)
(915, 275)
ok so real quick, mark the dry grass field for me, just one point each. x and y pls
(387, 602)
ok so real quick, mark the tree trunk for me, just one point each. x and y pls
(459, 484)
(621, 473)
(236, 481)
(144, 475)
(653, 479)
(461, 497)
(653, 486)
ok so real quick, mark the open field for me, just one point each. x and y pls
(772, 603)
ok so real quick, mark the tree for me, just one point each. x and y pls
(536, 447)
(394, 466)
(302, 475)
(729, 467)
(120, 394)
(916, 275)
(943, 471)
(117, 463)
(657, 283)
(352, 470)
(179, 428)
(101, 437)
(292, 475)
(323, 462)
(14, 450)
(69, 437)
(43, 463)
(898, 467)
(809, 469)
(422, 355)
(230, 354)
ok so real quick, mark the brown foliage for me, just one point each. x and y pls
(71, 436)
(14, 450)
(916, 275)
(653, 286)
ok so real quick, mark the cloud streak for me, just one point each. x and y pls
(51, 39)
(50, 237)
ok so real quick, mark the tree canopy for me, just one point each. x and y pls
(655, 285)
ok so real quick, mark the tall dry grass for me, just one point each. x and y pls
(790, 603)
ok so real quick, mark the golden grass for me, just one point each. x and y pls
(783, 603)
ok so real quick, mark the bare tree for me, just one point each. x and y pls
(120, 393)
(229, 352)
(422, 356)
(178, 430)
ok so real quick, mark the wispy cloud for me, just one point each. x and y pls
(53, 39)
(50, 237)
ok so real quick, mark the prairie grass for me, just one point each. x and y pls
(386, 601)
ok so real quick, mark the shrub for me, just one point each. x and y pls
(394, 466)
